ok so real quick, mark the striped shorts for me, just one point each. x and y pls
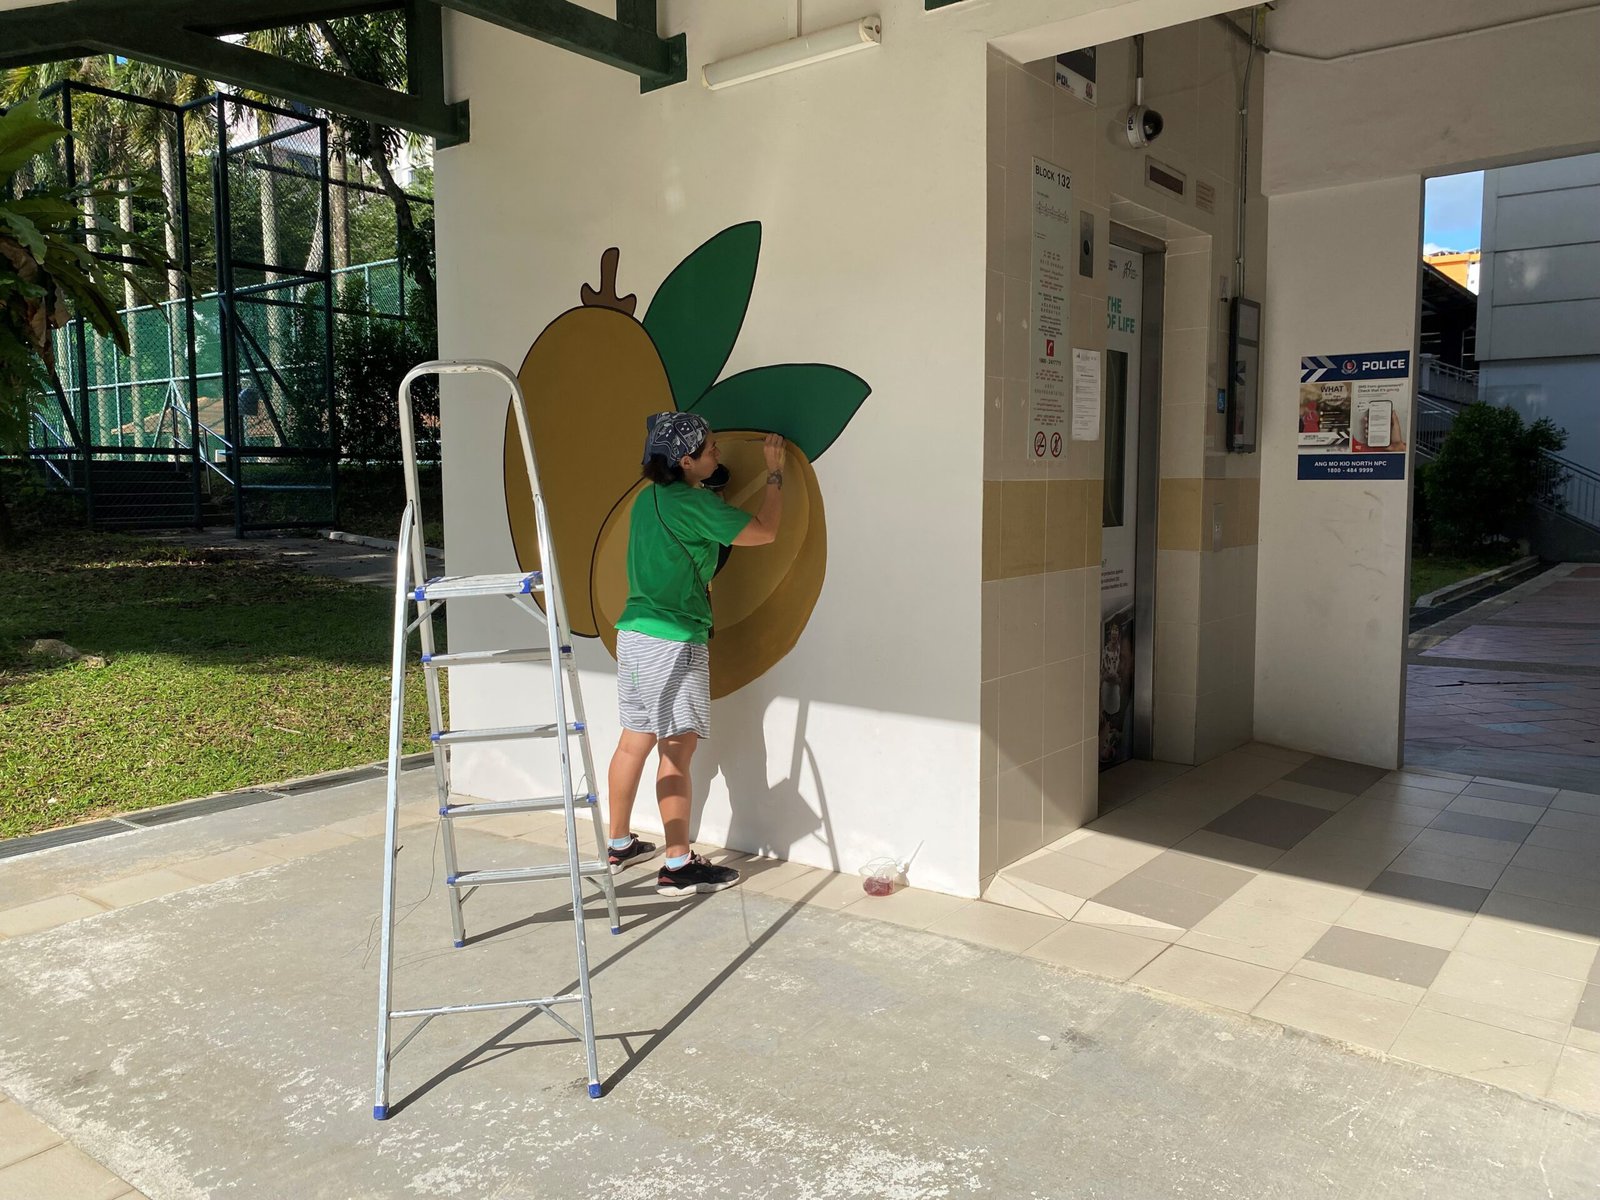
(663, 687)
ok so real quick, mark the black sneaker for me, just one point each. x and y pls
(635, 851)
(696, 875)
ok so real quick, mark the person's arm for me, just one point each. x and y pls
(763, 527)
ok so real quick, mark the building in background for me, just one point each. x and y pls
(1459, 265)
(1538, 344)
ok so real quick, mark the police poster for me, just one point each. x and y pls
(1353, 410)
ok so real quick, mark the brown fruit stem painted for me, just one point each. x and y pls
(607, 296)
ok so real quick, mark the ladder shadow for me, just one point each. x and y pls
(497, 1046)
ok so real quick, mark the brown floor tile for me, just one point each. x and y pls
(1374, 954)
(1159, 901)
(1270, 821)
(1483, 827)
(1195, 873)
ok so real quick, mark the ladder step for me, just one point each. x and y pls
(451, 737)
(489, 808)
(492, 1006)
(463, 879)
(450, 587)
(473, 658)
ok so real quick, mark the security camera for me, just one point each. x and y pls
(1144, 125)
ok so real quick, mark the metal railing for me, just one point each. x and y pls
(1565, 487)
(1441, 380)
(47, 442)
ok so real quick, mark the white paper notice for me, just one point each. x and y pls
(1052, 256)
(1085, 395)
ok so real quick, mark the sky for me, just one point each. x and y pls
(1452, 212)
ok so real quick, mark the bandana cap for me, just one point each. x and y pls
(674, 435)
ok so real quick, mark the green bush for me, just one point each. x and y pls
(1488, 476)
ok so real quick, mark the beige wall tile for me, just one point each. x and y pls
(1020, 641)
(992, 500)
(1174, 727)
(1022, 528)
(1065, 525)
(989, 616)
(1190, 289)
(1064, 593)
(1018, 312)
(1177, 657)
(1065, 807)
(1020, 728)
(1177, 585)
(1183, 430)
(1063, 706)
(994, 424)
(1021, 811)
(1178, 514)
(988, 823)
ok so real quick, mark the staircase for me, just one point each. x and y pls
(148, 494)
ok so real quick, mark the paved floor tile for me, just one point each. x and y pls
(1588, 1014)
(1577, 863)
(1405, 921)
(1195, 873)
(1102, 916)
(1159, 901)
(1297, 897)
(1507, 985)
(21, 1134)
(1486, 1013)
(1109, 850)
(1481, 806)
(1336, 1012)
(1336, 775)
(1563, 920)
(1097, 951)
(1304, 793)
(908, 906)
(1256, 935)
(1580, 802)
(1438, 892)
(46, 914)
(1526, 946)
(1473, 872)
(1270, 821)
(1577, 1080)
(1547, 885)
(991, 925)
(1067, 873)
(1224, 982)
(1478, 1051)
(763, 874)
(1482, 827)
(1410, 963)
(60, 1173)
(1340, 862)
(1464, 845)
(1360, 981)
(135, 889)
(302, 845)
(825, 889)
(1422, 781)
(1538, 797)
(1224, 849)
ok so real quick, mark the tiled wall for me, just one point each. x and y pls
(1041, 520)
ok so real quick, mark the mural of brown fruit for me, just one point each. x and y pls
(589, 382)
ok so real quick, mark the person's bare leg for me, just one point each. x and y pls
(627, 768)
(673, 790)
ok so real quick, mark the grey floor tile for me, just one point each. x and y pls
(1374, 954)
(1194, 873)
(1484, 827)
(1337, 775)
(1511, 795)
(1464, 845)
(1440, 892)
(1159, 901)
(1588, 1015)
(1270, 821)
(1473, 872)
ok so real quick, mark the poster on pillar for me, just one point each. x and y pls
(1051, 253)
(1352, 415)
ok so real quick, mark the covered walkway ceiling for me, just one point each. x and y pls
(185, 36)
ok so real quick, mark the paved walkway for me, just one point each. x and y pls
(189, 1006)
(1511, 687)
(321, 555)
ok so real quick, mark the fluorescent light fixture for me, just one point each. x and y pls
(798, 52)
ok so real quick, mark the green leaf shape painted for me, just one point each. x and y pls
(695, 315)
(808, 403)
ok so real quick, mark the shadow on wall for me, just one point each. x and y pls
(767, 818)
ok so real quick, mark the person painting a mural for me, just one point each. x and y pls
(677, 530)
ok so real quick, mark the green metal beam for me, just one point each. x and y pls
(159, 34)
(626, 43)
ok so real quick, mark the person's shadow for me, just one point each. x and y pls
(766, 818)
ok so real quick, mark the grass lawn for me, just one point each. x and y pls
(222, 670)
(1431, 572)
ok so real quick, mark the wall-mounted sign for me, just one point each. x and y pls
(1352, 415)
(1051, 253)
(1075, 73)
(1085, 395)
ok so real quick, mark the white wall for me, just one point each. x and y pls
(1451, 102)
(868, 176)
(1342, 278)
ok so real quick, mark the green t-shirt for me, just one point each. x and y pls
(673, 524)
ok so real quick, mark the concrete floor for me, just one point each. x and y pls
(788, 1038)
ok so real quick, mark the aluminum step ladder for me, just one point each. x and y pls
(414, 589)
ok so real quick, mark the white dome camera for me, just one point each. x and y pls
(1144, 125)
